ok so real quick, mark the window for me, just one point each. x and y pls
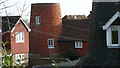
(112, 28)
(112, 36)
(19, 58)
(37, 20)
(50, 43)
(78, 44)
(114, 33)
(20, 37)
(75, 17)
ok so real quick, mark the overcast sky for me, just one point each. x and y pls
(68, 7)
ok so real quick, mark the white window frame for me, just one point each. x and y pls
(109, 37)
(50, 43)
(21, 57)
(74, 17)
(20, 37)
(37, 20)
(78, 44)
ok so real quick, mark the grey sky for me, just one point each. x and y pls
(68, 7)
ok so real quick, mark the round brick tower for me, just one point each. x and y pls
(45, 23)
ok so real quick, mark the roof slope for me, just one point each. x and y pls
(74, 17)
(74, 29)
(12, 20)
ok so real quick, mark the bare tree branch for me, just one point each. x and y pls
(19, 11)
(3, 1)
(7, 17)
(23, 7)
(9, 6)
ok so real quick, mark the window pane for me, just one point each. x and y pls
(48, 42)
(78, 44)
(16, 36)
(19, 36)
(37, 19)
(20, 58)
(51, 42)
(114, 37)
(22, 36)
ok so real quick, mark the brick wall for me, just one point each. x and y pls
(50, 27)
(20, 47)
(64, 46)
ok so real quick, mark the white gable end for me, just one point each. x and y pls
(23, 23)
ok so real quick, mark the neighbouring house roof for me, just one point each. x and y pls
(6, 20)
(74, 17)
(74, 29)
(44, 3)
(12, 22)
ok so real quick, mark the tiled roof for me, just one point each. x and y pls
(74, 29)
(12, 21)
(74, 17)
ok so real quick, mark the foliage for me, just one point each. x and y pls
(6, 56)
(54, 64)
(7, 60)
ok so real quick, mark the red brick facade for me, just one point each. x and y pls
(20, 47)
(50, 27)
(16, 25)
(70, 45)
(83, 51)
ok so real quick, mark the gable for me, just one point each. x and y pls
(8, 22)
(24, 24)
(117, 15)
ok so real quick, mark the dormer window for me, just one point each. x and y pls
(113, 33)
(37, 20)
(112, 28)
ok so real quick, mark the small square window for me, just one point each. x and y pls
(20, 37)
(78, 44)
(37, 20)
(19, 58)
(50, 43)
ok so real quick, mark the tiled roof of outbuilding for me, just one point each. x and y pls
(74, 17)
(74, 29)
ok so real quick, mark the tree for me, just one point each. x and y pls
(4, 6)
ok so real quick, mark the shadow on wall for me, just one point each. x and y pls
(71, 54)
